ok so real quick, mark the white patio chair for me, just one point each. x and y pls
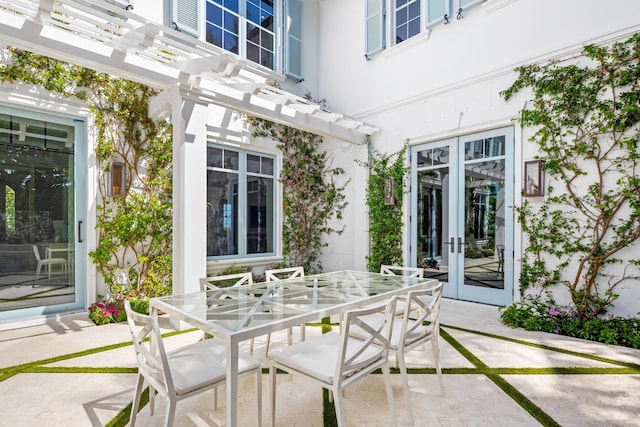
(283, 274)
(237, 279)
(410, 331)
(48, 262)
(338, 360)
(395, 270)
(183, 372)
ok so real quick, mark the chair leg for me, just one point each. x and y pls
(436, 360)
(171, 412)
(337, 403)
(38, 271)
(387, 383)
(405, 382)
(266, 352)
(136, 400)
(272, 381)
(215, 398)
(259, 395)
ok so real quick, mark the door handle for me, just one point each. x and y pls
(452, 243)
(80, 231)
(460, 245)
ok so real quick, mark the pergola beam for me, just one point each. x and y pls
(103, 37)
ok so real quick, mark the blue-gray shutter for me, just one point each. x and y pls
(186, 14)
(436, 10)
(375, 37)
(465, 4)
(293, 39)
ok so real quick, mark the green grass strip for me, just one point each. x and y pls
(548, 347)
(534, 410)
(124, 416)
(8, 372)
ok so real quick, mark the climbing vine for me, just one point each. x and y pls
(385, 220)
(587, 120)
(311, 196)
(134, 231)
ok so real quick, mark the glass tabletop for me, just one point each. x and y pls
(242, 307)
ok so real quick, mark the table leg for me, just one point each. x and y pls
(232, 382)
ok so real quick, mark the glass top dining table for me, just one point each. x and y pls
(235, 314)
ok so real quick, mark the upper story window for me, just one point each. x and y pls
(248, 28)
(409, 18)
(243, 27)
(241, 203)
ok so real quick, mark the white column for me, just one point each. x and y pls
(189, 195)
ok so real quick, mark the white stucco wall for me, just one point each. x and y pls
(446, 82)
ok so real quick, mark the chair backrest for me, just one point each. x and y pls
(150, 353)
(37, 253)
(372, 345)
(225, 280)
(283, 273)
(426, 324)
(395, 270)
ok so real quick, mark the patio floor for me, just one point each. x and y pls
(70, 372)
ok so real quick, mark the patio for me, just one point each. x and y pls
(71, 372)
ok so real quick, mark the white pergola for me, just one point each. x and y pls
(191, 76)
(105, 37)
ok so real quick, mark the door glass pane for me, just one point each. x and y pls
(433, 227)
(36, 213)
(484, 219)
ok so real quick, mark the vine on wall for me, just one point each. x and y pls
(385, 221)
(311, 196)
(587, 120)
(135, 229)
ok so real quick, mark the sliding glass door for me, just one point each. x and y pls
(39, 227)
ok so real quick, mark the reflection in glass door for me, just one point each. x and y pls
(37, 214)
(460, 197)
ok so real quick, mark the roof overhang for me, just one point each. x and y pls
(104, 37)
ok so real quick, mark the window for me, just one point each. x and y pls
(247, 28)
(243, 27)
(407, 19)
(240, 203)
(410, 17)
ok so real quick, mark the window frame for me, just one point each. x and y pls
(243, 203)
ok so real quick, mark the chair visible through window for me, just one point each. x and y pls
(48, 263)
(338, 360)
(183, 372)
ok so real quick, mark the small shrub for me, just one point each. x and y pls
(112, 311)
(107, 311)
(546, 317)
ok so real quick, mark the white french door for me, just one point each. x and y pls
(461, 220)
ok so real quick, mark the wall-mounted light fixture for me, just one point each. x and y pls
(117, 179)
(390, 191)
(533, 179)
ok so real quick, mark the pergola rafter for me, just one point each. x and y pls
(104, 37)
